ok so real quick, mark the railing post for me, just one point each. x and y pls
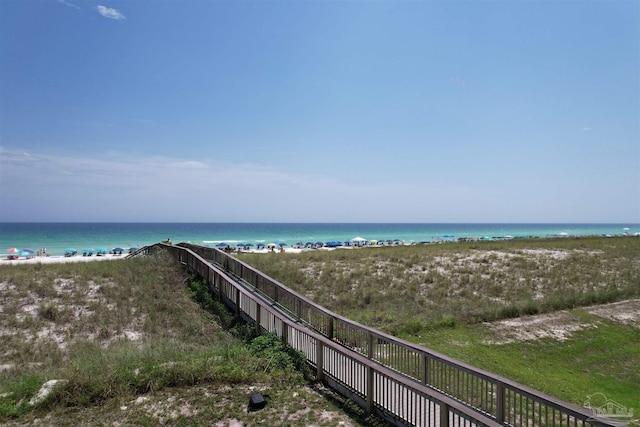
(257, 319)
(444, 415)
(370, 346)
(284, 333)
(425, 369)
(370, 388)
(237, 302)
(319, 360)
(499, 402)
(330, 331)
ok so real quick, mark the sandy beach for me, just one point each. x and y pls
(59, 259)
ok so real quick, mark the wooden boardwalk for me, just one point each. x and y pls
(405, 384)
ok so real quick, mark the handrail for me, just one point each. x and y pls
(480, 396)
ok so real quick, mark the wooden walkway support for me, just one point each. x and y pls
(405, 384)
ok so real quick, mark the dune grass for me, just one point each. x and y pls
(131, 343)
(445, 296)
(122, 337)
(405, 289)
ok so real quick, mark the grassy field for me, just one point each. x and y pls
(129, 344)
(471, 301)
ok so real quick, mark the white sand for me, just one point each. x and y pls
(59, 259)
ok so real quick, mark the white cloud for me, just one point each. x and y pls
(120, 187)
(117, 186)
(66, 3)
(110, 13)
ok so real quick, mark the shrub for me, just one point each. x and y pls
(276, 353)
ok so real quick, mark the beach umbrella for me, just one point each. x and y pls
(118, 249)
(70, 250)
(222, 245)
(248, 245)
(13, 250)
(271, 245)
(29, 251)
(25, 254)
(101, 251)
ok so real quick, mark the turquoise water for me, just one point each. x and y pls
(56, 237)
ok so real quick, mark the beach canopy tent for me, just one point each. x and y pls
(70, 252)
(358, 240)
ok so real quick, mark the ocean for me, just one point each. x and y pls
(56, 237)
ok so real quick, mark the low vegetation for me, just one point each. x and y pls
(128, 341)
(475, 302)
(404, 290)
(138, 342)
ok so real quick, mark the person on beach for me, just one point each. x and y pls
(168, 241)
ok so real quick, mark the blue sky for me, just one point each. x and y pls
(320, 111)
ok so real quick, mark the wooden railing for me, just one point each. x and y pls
(400, 381)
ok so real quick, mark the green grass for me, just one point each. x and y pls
(603, 359)
(388, 288)
(440, 296)
(133, 334)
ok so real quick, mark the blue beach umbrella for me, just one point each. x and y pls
(70, 252)
(222, 245)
